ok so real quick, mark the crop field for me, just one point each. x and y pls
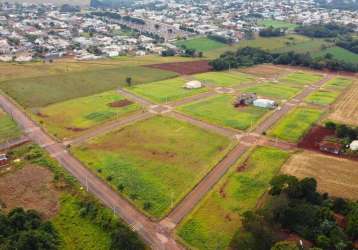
(165, 91)
(83, 113)
(226, 79)
(301, 78)
(338, 83)
(345, 109)
(201, 44)
(45, 90)
(295, 124)
(336, 176)
(219, 110)
(276, 91)
(322, 97)
(155, 162)
(215, 221)
(8, 128)
(340, 54)
(277, 24)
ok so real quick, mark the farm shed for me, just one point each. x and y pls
(193, 85)
(354, 145)
(330, 147)
(265, 103)
(3, 160)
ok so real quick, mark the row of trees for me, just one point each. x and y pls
(324, 30)
(221, 39)
(250, 56)
(343, 131)
(295, 205)
(272, 32)
(348, 43)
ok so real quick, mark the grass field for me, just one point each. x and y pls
(336, 176)
(340, 54)
(277, 24)
(75, 116)
(311, 46)
(220, 111)
(166, 90)
(338, 83)
(322, 97)
(301, 78)
(8, 128)
(226, 79)
(45, 90)
(156, 161)
(201, 44)
(295, 124)
(276, 91)
(215, 221)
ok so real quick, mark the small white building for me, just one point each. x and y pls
(193, 85)
(354, 145)
(265, 103)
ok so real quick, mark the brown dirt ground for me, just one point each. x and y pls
(312, 140)
(184, 68)
(30, 187)
(336, 176)
(121, 103)
(264, 70)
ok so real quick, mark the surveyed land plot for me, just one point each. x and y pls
(322, 97)
(213, 224)
(219, 110)
(338, 83)
(301, 78)
(73, 117)
(154, 163)
(273, 90)
(8, 128)
(201, 44)
(225, 79)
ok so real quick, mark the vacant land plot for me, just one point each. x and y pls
(226, 79)
(184, 68)
(213, 224)
(295, 124)
(338, 83)
(73, 117)
(301, 77)
(219, 110)
(340, 54)
(154, 162)
(322, 97)
(310, 46)
(265, 71)
(276, 91)
(8, 127)
(165, 91)
(346, 109)
(201, 44)
(338, 177)
(277, 24)
(45, 90)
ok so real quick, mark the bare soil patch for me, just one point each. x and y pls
(264, 70)
(336, 176)
(184, 68)
(30, 187)
(121, 103)
(314, 137)
(74, 129)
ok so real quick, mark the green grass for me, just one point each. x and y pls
(8, 128)
(157, 160)
(220, 111)
(338, 83)
(277, 24)
(201, 44)
(226, 79)
(165, 91)
(295, 124)
(73, 117)
(322, 97)
(301, 77)
(312, 46)
(215, 221)
(78, 232)
(276, 91)
(46, 90)
(340, 54)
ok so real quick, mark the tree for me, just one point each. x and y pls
(129, 81)
(122, 238)
(285, 245)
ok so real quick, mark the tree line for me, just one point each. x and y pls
(324, 30)
(272, 32)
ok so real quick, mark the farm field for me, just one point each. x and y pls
(216, 219)
(45, 90)
(166, 90)
(338, 83)
(293, 126)
(336, 176)
(301, 78)
(8, 128)
(83, 113)
(219, 110)
(155, 162)
(322, 97)
(345, 110)
(277, 24)
(276, 91)
(339, 53)
(201, 44)
(225, 79)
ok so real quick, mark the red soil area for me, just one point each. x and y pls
(184, 68)
(314, 137)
